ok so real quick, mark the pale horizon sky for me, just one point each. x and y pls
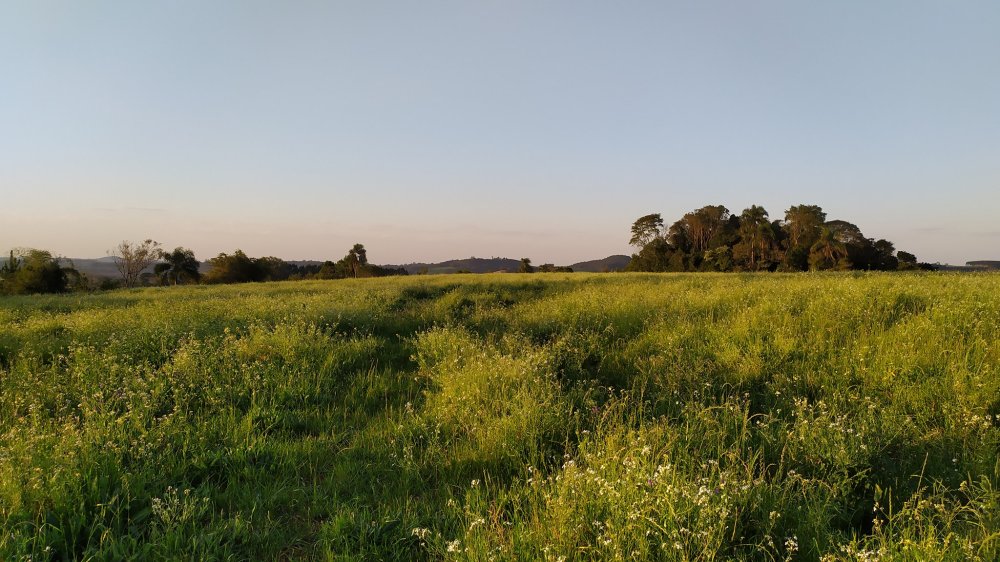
(440, 130)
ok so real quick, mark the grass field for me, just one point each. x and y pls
(506, 417)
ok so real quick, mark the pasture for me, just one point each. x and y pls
(506, 417)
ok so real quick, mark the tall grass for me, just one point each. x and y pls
(506, 417)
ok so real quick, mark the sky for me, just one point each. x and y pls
(435, 130)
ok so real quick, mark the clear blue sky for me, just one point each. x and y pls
(433, 130)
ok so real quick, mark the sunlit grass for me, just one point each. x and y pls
(506, 417)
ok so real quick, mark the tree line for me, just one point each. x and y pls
(239, 268)
(526, 267)
(707, 239)
(713, 239)
(146, 263)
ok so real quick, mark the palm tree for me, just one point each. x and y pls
(757, 235)
(10, 267)
(178, 266)
(827, 252)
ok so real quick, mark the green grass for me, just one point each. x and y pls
(506, 417)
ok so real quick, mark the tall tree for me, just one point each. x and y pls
(757, 237)
(179, 266)
(526, 266)
(803, 223)
(704, 224)
(132, 258)
(645, 229)
(885, 259)
(801, 228)
(356, 259)
(359, 250)
(700, 230)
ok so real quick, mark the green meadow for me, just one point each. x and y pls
(506, 417)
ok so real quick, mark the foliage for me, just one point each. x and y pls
(31, 271)
(907, 261)
(828, 252)
(133, 258)
(757, 245)
(803, 223)
(178, 267)
(703, 229)
(238, 268)
(654, 256)
(355, 264)
(551, 268)
(712, 239)
(356, 259)
(645, 229)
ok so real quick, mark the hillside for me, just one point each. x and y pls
(494, 265)
(984, 264)
(471, 265)
(95, 268)
(610, 263)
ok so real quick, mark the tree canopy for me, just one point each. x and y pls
(713, 239)
(29, 271)
(178, 267)
(240, 268)
(646, 228)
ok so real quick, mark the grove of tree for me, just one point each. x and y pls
(29, 271)
(714, 239)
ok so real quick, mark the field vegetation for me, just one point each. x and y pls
(834, 416)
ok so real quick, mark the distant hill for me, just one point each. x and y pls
(472, 265)
(610, 263)
(971, 266)
(493, 265)
(94, 268)
(984, 264)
